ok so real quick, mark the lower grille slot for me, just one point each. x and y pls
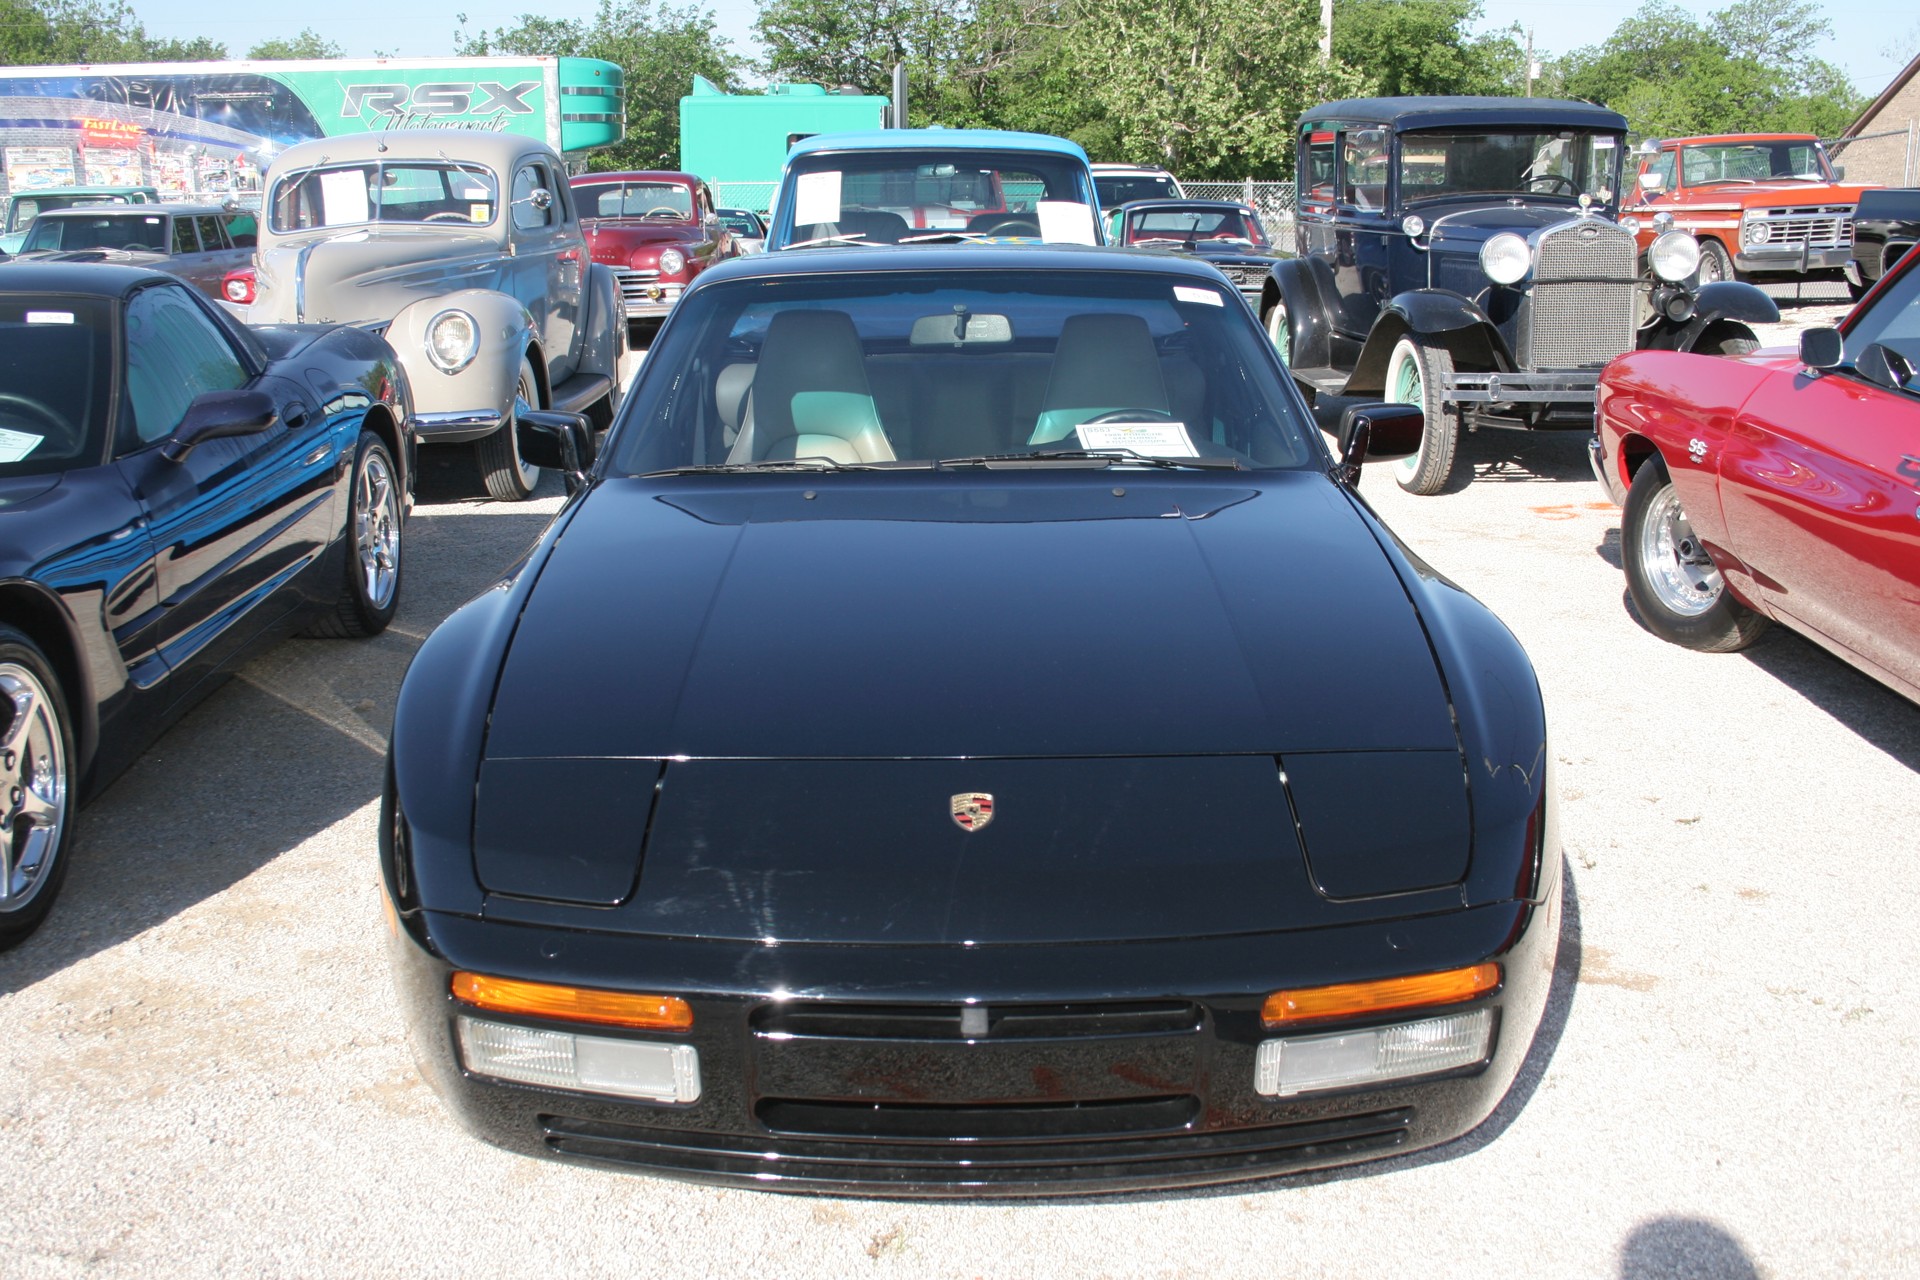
(1004, 1022)
(1028, 1122)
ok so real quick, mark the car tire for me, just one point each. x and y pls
(1416, 372)
(1715, 264)
(37, 786)
(505, 474)
(1278, 331)
(1855, 292)
(370, 586)
(1676, 588)
(1726, 339)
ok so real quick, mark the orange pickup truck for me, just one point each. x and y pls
(1761, 204)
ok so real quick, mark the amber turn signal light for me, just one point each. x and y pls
(572, 1004)
(1352, 999)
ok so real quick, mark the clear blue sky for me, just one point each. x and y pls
(1871, 41)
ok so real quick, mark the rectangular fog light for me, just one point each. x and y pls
(1343, 1059)
(592, 1064)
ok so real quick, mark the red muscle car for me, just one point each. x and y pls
(657, 231)
(1778, 486)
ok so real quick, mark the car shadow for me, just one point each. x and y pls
(1496, 455)
(1874, 713)
(292, 744)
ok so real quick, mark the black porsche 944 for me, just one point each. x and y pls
(967, 737)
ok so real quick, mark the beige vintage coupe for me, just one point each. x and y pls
(465, 250)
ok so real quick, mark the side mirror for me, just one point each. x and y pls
(1821, 347)
(219, 413)
(540, 198)
(1377, 432)
(1651, 182)
(560, 442)
(1839, 173)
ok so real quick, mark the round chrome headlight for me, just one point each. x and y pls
(1630, 223)
(672, 262)
(1756, 232)
(1506, 258)
(453, 340)
(1675, 255)
(1413, 224)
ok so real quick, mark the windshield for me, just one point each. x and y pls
(25, 207)
(1194, 228)
(1893, 322)
(666, 201)
(743, 222)
(54, 362)
(1566, 164)
(911, 367)
(890, 197)
(407, 191)
(145, 232)
(1152, 186)
(1799, 161)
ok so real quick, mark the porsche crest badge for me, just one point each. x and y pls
(972, 810)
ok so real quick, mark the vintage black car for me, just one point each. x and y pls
(1886, 226)
(1224, 232)
(175, 491)
(910, 765)
(1461, 254)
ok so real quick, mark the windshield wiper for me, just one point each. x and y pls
(931, 236)
(765, 464)
(857, 237)
(1107, 457)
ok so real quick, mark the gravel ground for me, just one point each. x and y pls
(202, 1069)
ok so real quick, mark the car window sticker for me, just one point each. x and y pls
(816, 197)
(1065, 222)
(1182, 293)
(1150, 439)
(15, 445)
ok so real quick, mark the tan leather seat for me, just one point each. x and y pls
(811, 398)
(1104, 361)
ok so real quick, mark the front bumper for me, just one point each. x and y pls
(1796, 259)
(645, 295)
(456, 426)
(1603, 472)
(1576, 386)
(1141, 1076)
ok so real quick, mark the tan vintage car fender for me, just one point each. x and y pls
(452, 405)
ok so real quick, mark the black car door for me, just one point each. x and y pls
(235, 520)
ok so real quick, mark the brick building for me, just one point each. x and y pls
(1888, 150)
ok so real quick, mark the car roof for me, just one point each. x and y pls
(936, 140)
(1439, 112)
(1031, 258)
(27, 194)
(142, 210)
(635, 175)
(1175, 202)
(1712, 138)
(86, 279)
(497, 150)
(1110, 170)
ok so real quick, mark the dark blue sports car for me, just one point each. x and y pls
(966, 737)
(176, 490)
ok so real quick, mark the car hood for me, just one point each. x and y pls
(757, 710)
(927, 616)
(358, 276)
(1772, 194)
(1475, 227)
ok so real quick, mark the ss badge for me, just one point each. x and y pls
(971, 810)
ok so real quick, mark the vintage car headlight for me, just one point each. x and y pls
(1413, 224)
(1675, 255)
(1630, 223)
(672, 262)
(453, 340)
(1754, 231)
(1506, 258)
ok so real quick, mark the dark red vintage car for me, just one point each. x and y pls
(656, 230)
(1778, 486)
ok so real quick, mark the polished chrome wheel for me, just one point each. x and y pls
(33, 771)
(376, 523)
(1678, 568)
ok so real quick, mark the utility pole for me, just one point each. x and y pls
(1326, 30)
(1533, 68)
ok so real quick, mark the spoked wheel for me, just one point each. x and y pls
(1715, 265)
(371, 591)
(1673, 581)
(1416, 374)
(36, 787)
(508, 476)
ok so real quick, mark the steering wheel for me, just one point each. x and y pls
(137, 247)
(446, 215)
(1130, 415)
(1011, 227)
(31, 408)
(1573, 188)
(659, 209)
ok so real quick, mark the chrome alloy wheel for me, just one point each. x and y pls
(33, 785)
(376, 528)
(1678, 568)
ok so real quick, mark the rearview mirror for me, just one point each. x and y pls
(560, 442)
(1378, 432)
(214, 414)
(1821, 347)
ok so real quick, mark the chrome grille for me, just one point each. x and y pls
(1581, 309)
(1249, 280)
(634, 286)
(1820, 227)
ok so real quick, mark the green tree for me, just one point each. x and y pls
(1425, 46)
(84, 31)
(25, 34)
(308, 44)
(660, 47)
(857, 42)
